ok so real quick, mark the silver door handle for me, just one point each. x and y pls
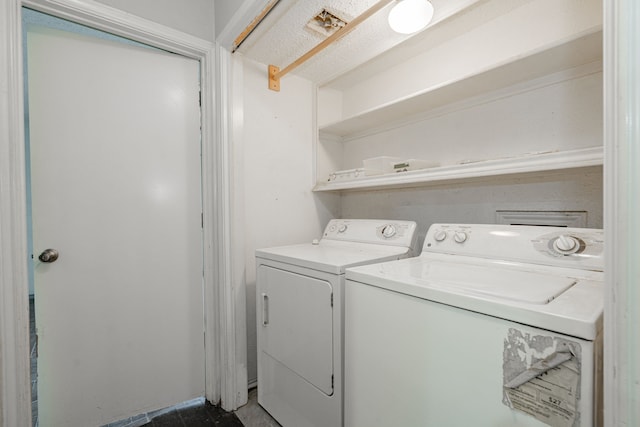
(265, 309)
(49, 255)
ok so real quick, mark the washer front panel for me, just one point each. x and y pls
(447, 362)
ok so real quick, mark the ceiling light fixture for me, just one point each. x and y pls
(410, 16)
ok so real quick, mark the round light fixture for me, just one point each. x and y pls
(409, 16)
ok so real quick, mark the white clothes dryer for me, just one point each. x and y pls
(300, 312)
(490, 326)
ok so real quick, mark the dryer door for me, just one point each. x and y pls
(295, 321)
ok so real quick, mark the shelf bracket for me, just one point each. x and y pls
(274, 78)
(275, 74)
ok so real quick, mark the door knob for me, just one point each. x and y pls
(48, 255)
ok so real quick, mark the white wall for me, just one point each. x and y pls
(565, 115)
(194, 17)
(275, 158)
(622, 213)
(224, 11)
(476, 201)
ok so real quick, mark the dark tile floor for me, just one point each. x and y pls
(198, 415)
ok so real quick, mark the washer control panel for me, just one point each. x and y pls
(559, 246)
(450, 234)
(388, 232)
(570, 244)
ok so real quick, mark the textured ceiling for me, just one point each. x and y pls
(282, 37)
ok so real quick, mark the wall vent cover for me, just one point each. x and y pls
(548, 218)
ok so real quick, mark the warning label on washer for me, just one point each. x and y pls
(542, 377)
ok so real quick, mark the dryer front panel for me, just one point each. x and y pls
(295, 321)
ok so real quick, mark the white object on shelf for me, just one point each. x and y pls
(413, 164)
(348, 174)
(380, 165)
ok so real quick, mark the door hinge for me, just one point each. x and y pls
(331, 381)
(331, 300)
(200, 98)
(201, 220)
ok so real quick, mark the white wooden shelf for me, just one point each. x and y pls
(514, 165)
(564, 55)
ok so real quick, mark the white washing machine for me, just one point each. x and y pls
(490, 325)
(300, 312)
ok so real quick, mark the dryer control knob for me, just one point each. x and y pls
(342, 228)
(460, 236)
(388, 231)
(440, 235)
(566, 244)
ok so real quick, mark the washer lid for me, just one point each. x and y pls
(568, 301)
(522, 286)
(332, 256)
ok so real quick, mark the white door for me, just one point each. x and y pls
(115, 161)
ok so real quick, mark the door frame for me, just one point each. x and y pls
(225, 327)
(622, 227)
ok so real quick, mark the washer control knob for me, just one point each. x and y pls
(388, 231)
(460, 236)
(440, 235)
(342, 228)
(566, 244)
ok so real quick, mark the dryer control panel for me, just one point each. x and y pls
(379, 232)
(558, 246)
